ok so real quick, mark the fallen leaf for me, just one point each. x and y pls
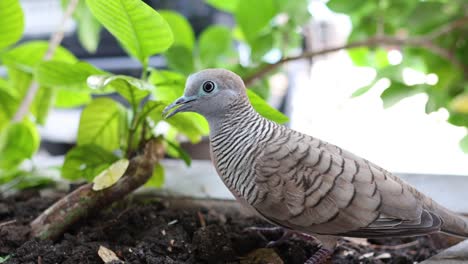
(111, 175)
(262, 256)
(107, 255)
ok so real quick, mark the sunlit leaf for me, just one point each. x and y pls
(101, 123)
(214, 43)
(42, 103)
(132, 89)
(11, 21)
(67, 76)
(398, 91)
(86, 161)
(459, 104)
(224, 5)
(180, 59)
(8, 106)
(18, 141)
(157, 179)
(181, 29)
(254, 16)
(464, 144)
(138, 27)
(111, 175)
(168, 85)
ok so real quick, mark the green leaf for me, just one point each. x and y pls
(181, 29)
(18, 141)
(86, 161)
(464, 144)
(264, 109)
(458, 119)
(101, 123)
(67, 76)
(12, 21)
(71, 99)
(224, 5)
(168, 85)
(43, 100)
(180, 59)
(32, 179)
(138, 27)
(179, 152)
(89, 28)
(398, 91)
(27, 56)
(157, 179)
(254, 16)
(132, 89)
(192, 125)
(347, 7)
(8, 106)
(214, 43)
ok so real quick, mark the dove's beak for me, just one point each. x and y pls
(180, 105)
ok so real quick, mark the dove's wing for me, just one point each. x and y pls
(309, 185)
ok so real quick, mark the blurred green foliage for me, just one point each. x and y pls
(108, 130)
(441, 28)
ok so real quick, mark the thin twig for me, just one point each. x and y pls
(54, 42)
(8, 222)
(424, 41)
(447, 28)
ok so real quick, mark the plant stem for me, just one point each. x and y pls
(425, 41)
(54, 42)
(54, 221)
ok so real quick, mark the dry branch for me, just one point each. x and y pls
(54, 221)
(425, 41)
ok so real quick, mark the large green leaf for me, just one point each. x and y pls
(11, 21)
(18, 141)
(214, 43)
(169, 85)
(138, 27)
(192, 125)
(27, 56)
(347, 7)
(86, 162)
(264, 109)
(67, 76)
(181, 29)
(71, 99)
(132, 89)
(157, 179)
(102, 123)
(224, 5)
(254, 16)
(180, 59)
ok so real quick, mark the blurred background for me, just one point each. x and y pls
(400, 99)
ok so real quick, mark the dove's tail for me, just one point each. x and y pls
(453, 223)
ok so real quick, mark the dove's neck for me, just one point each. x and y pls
(236, 140)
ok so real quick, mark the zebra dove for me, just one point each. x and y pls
(302, 183)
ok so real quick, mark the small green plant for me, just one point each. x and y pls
(108, 131)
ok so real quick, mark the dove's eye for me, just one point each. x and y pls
(208, 86)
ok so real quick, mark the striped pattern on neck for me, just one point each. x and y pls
(236, 144)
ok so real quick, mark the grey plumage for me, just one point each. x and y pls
(303, 183)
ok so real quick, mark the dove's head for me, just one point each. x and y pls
(210, 93)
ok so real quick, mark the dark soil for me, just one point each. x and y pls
(142, 230)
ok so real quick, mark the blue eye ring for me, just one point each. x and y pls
(208, 86)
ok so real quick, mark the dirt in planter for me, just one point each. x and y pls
(141, 230)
